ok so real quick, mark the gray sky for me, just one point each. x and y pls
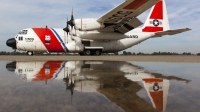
(17, 15)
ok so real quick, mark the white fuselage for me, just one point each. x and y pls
(57, 40)
(49, 70)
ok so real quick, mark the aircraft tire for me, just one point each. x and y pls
(87, 52)
(97, 52)
(30, 53)
(81, 54)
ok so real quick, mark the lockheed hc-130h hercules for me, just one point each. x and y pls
(113, 32)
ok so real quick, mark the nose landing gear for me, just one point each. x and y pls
(30, 53)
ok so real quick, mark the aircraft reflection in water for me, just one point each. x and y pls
(91, 76)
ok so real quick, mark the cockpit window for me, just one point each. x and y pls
(23, 32)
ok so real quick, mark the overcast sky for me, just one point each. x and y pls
(17, 15)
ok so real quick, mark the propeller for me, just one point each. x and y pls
(67, 28)
(71, 22)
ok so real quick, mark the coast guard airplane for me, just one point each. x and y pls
(113, 32)
(88, 76)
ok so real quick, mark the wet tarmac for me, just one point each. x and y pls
(88, 86)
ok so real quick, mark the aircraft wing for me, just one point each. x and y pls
(171, 32)
(123, 18)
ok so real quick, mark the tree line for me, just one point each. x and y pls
(159, 53)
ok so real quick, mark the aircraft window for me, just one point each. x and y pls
(23, 32)
(20, 71)
(20, 38)
(47, 66)
(47, 42)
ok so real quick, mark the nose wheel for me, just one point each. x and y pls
(30, 53)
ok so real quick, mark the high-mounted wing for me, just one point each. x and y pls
(123, 18)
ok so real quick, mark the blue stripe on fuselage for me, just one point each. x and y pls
(63, 44)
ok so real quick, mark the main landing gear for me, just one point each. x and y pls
(90, 52)
(30, 53)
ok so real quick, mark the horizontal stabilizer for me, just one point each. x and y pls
(171, 32)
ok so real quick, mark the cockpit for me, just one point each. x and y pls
(23, 32)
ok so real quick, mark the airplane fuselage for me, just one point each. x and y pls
(57, 40)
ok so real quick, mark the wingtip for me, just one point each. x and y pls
(188, 29)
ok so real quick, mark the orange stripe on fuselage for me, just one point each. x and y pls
(54, 45)
(48, 71)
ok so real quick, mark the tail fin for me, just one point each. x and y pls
(157, 19)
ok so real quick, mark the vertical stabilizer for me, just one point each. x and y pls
(157, 90)
(157, 19)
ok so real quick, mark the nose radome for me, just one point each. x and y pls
(11, 66)
(11, 43)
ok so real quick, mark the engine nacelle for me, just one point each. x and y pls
(87, 24)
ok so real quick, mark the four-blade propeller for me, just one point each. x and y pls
(67, 28)
(71, 23)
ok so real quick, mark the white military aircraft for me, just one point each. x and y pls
(88, 76)
(113, 32)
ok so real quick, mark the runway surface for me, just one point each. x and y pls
(179, 58)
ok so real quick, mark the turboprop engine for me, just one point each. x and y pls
(87, 24)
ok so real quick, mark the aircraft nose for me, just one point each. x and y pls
(11, 66)
(11, 43)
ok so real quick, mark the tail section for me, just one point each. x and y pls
(157, 90)
(158, 19)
